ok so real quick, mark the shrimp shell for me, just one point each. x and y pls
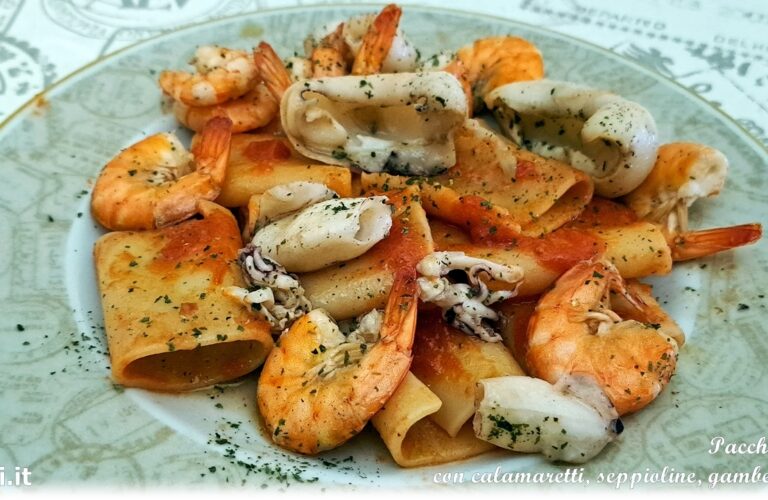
(156, 182)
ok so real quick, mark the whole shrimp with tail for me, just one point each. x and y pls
(683, 173)
(156, 182)
(594, 324)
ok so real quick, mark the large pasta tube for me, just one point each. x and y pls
(539, 194)
(258, 162)
(168, 325)
(637, 249)
(451, 363)
(325, 233)
(412, 438)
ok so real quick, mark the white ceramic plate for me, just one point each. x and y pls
(61, 415)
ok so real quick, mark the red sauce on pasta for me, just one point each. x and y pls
(525, 170)
(406, 243)
(267, 151)
(435, 346)
(562, 249)
(600, 212)
(210, 243)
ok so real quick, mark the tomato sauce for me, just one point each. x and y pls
(265, 153)
(405, 245)
(558, 251)
(212, 242)
(563, 248)
(434, 348)
(600, 212)
(526, 170)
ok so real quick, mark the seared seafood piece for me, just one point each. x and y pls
(465, 305)
(696, 244)
(401, 123)
(330, 57)
(682, 174)
(593, 324)
(272, 293)
(271, 70)
(377, 41)
(319, 387)
(384, 46)
(570, 421)
(612, 139)
(157, 182)
(222, 74)
(290, 198)
(325, 233)
(251, 111)
(496, 61)
(279, 201)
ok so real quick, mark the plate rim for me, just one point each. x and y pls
(76, 76)
(18, 113)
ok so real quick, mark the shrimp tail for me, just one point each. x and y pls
(211, 151)
(331, 56)
(211, 155)
(697, 244)
(377, 41)
(400, 312)
(271, 70)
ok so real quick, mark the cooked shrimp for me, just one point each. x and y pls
(271, 70)
(576, 331)
(683, 173)
(156, 182)
(255, 109)
(319, 387)
(495, 61)
(222, 74)
(377, 41)
(330, 56)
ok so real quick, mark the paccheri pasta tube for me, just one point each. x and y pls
(413, 438)
(451, 363)
(169, 327)
(258, 162)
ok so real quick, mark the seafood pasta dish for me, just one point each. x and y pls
(449, 246)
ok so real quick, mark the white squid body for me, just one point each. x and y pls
(325, 233)
(285, 199)
(612, 139)
(571, 421)
(402, 55)
(401, 123)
